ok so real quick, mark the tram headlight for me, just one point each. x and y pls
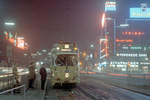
(66, 75)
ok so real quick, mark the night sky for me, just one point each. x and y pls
(45, 22)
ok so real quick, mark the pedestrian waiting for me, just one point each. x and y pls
(15, 74)
(43, 74)
(32, 74)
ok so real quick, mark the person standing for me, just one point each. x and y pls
(15, 74)
(32, 74)
(43, 74)
(38, 76)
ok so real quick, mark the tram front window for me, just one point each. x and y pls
(66, 60)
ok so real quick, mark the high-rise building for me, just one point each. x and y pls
(131, 44)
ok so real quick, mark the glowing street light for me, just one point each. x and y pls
(122, 26)
(92, 46)
(109, 18)
(84, 54)
(10, 24)
(44, 50)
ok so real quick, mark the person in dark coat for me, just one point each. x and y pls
(32, 74)
(43, 74)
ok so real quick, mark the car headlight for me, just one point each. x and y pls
(66, 75)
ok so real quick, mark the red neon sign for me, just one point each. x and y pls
(133, 33)
(128, 41)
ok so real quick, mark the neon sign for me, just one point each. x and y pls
(103, 20)
(110, 6)
(129, 41)
(133, 33)
(130, 55)
(139, 13)
(20, 42)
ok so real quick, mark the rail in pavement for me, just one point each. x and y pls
(9, 94)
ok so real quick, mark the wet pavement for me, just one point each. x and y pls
(90, 88)
(104, 91)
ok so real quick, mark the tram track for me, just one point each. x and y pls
(67, 94)
(88, 93)
(81, 92)
(85, 95)
(96, 93)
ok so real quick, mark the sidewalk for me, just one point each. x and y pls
(32, 94)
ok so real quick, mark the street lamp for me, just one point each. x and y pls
(44, 50)
(9, 23)
(123, 26)
(91, 46)
(84, 54)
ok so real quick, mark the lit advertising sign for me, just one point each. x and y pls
(133, 33)
(20, 42)
(139, 13)
(131, 55)
(110, 6)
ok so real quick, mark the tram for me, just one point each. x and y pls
(64, 66)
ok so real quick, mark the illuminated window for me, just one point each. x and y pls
(66, 46)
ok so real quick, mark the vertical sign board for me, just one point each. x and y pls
(110, 6)
(20, 42)
(139, 13)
